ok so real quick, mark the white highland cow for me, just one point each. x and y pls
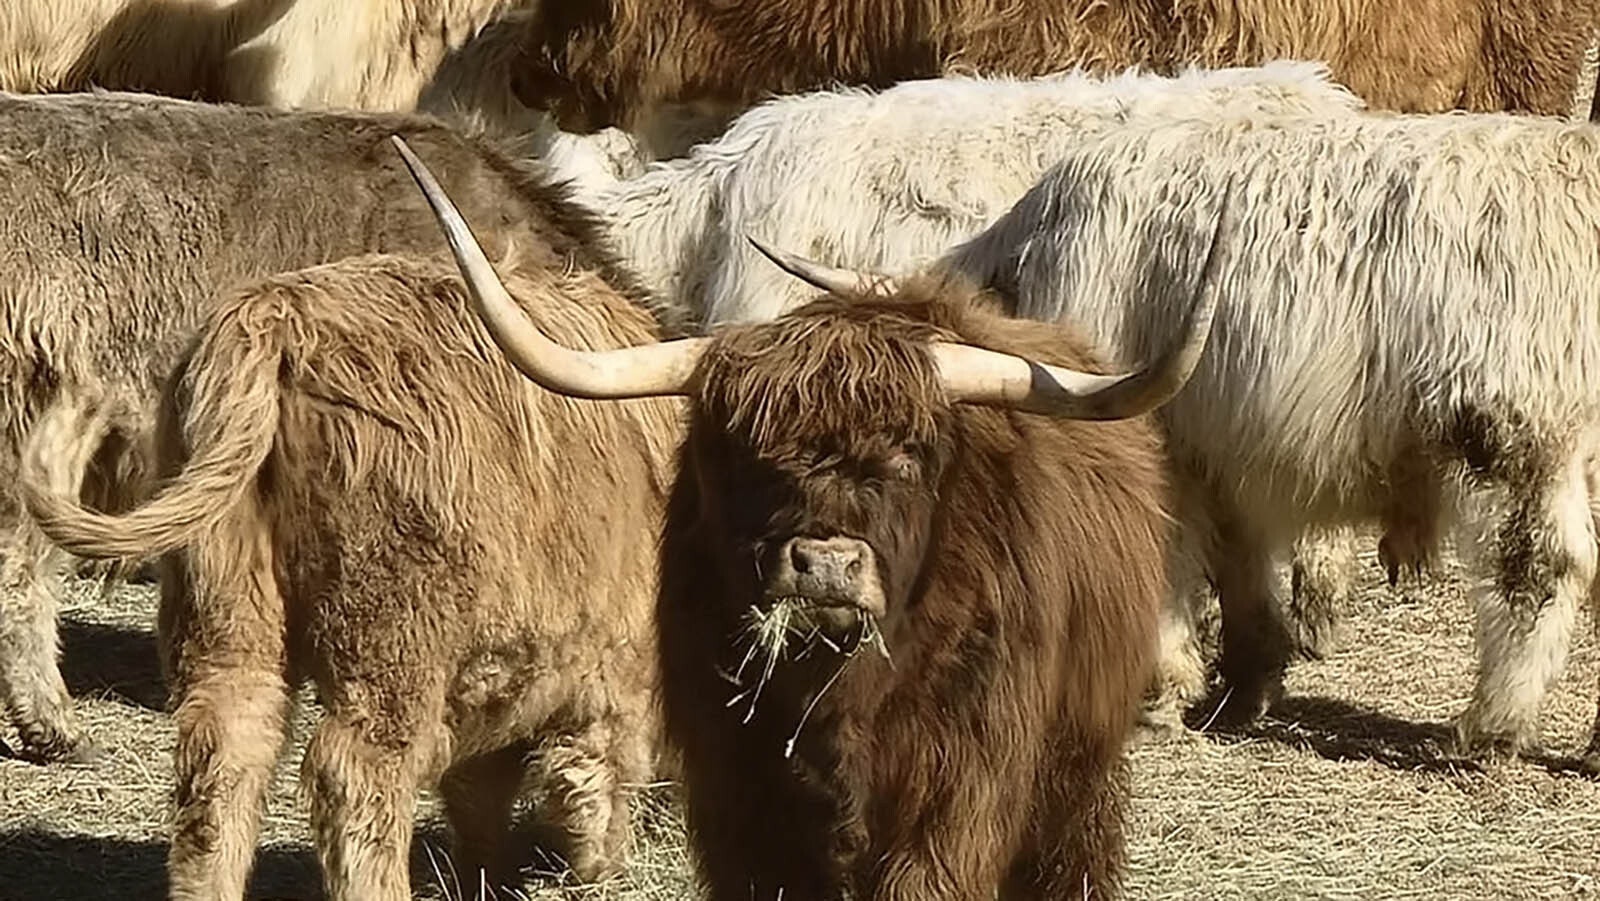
(1408, 334)
(889, 180)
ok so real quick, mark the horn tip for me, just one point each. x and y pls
(407, 155)
(759, 245)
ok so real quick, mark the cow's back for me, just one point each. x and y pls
(1443, 267)
(126, 213)
(883, 181)
(418, 477)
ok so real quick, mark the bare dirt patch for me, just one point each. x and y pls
(1347, 791)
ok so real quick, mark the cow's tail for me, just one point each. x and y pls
(229, 427)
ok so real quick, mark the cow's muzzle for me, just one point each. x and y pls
(836, 577)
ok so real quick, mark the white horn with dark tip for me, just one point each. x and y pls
(665, 368)
(828, 278)
(980, 376)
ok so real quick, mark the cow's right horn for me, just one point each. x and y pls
(828, 278)
(665, 368)
(978, 375)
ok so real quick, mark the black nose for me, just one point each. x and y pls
(832, 560)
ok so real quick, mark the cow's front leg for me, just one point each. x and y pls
(1255, 643)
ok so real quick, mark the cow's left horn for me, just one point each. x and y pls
(828, 278)
(976, 375)
(650, 370)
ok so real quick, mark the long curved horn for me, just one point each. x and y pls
(651, 370)
(828, 278)
(980, 376)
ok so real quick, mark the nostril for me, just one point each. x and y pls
(799, 557)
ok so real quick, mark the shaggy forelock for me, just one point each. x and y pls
(836, 366)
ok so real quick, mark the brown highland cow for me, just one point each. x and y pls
(126, 216)
(627, 62)
(363, 494)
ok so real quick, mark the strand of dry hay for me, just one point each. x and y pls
(768, 633)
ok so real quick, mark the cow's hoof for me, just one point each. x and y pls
(146, 573)
(1475, 742)
(85, 753)
(1316, 639)
(592, 868)
(1165, 727)
(77, 751)
(1237, 705)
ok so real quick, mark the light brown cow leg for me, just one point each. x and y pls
(222, 638)
(1535, 568)
(1179, 676)
(478, 797)
(1413, 516)
(31, 574)
(1591, 754)
(36, 697)
(584, 780)
(230, 731)
(363, 768)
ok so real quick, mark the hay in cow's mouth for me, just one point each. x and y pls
(768, 630)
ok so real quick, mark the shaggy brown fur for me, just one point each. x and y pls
(124, 215)
(327, 54)
(614, 62)
(1588, 100)
(1422, 56)
(368, 496)
(979, 749)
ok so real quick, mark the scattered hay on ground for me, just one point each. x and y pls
(1347, 791)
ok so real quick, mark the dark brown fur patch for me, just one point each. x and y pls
(605, 63)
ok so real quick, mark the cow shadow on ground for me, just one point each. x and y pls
(1571, 765)
(45, 866)
(104, 660)
(1340, 731)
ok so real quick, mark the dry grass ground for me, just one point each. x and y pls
(1347, 792)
